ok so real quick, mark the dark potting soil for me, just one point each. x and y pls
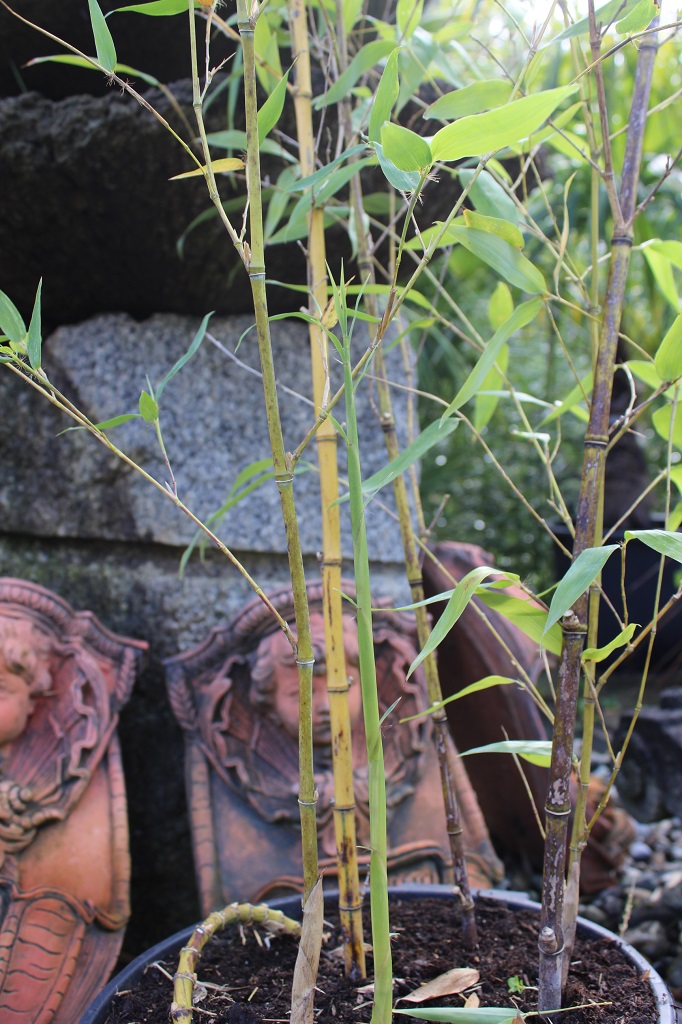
(246, 973)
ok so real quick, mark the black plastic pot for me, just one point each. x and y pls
(98, 1010)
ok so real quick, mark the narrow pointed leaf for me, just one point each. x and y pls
(603, 16)
(535, 751)
(525, 615)
(663, 541)
(423, 442)
(471, 99)
(363, 60)
(462, 595)
(408, 16)
(269, 113)
(221, 166)
(502, 257)
(34, 338)
(156, 8)
(404, 148)
(495, 226)
(385, 97)
(485, 133)
(600, 653)
(668, 359)
(668, 427)
(11, 321)
(104, 44)
(196, 342)
(572, 402)
(521, 316)
(483, 684)
(115, 421)
(323, 173)
(662, 269)
(582, 573)
(463, 1015)
(489, 197)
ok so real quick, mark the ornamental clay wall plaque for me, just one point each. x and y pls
(236, 697)
(64, 861)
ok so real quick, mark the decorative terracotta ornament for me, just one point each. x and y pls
(64, 873)
(236, 698)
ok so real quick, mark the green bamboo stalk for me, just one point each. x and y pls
(588, 527)
(378, 870)
(350, 899)
(283, 470)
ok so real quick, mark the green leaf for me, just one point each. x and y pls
(461, 596)
(521, 316)
(500, 306)
(115, 421)
(668, 359)
(87, 63)
(403, 181)
(385, 97)
(663, 541)
(639, 18)
(670, 249)
(363, 60)
(487, 399)
(423, 442)
(408, 16)
(34, 338)
(149, 410)
(582, 573)
(482, 684)
(498, 254)
(600, 653)
(11, 321)
(269, 113)
(505, 230)
(603, 16)
(460, 1015)
(662, 269)
(666, 427)
(644, 370)
(480, 134)
(196, 342)
(471, 99)
(535, 751)
(320, 175)
(104, 44)
(525, 615)
(156, 8)
(488, 196)
(405, 149)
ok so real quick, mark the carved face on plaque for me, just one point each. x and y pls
(24, 675)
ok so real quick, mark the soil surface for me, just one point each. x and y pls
(245, 974)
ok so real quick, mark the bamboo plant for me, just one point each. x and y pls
(489, 147)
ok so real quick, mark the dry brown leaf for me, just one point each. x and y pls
(472, 1002)
(447, 984)
(308, 959)
(339, 951)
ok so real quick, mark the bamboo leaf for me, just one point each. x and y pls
(324, 172)
(269, 113)
(663, 541)
(196, 342)
(525, 615)
(405, 149)
(487, 399)
(221, 166)
(115, 421)
(500, 306)
(408, 16)
(582, 573)
(661, 267)
(363, 61)
(521, 316)
(668, 359)
(666, 426)
(448, 984)
(461, 596)
(482, 684)
(572, 401)
(149, 410)
(308, 958)
(34, 338)
(505, 230)
(403, 181)
(11, 321)
(104, 44)
(600, 653)
(535, 751)
(498, 254)
(480, 134)
(423, 442)
(87, 63)
(471, 99)
(488, 196)
(156, 8)
(603, 16)
(638, 18)
(463, 1015)
(385, 96)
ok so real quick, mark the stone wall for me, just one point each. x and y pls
(86, 204)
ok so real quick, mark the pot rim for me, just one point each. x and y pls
(98, 1009)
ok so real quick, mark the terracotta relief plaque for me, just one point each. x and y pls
(236, 697)
(64, 871)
